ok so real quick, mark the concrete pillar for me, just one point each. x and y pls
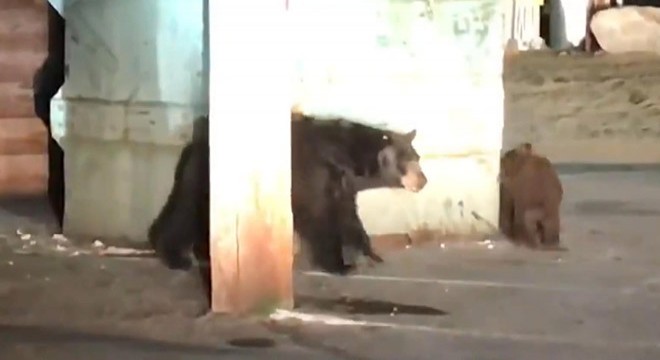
(136, 78)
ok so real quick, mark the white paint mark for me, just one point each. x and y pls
(467, 283)
(330, 320)
(280, 314)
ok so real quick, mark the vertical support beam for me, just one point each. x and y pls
(250, 147)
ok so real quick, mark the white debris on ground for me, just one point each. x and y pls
(118, 251)
(488, 243)
(23, 236)
(57, 244)
(287, 315)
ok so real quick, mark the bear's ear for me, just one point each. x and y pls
(411, 135)
(525, 148)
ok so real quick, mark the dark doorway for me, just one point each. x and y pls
(47, 81)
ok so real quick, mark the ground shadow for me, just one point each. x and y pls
(355, 306)
(33, 206)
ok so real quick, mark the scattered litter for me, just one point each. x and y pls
(33, 242)
(80, 252)
(488, 243)
(394, 311)
(116, 251)
(442, 245)
(281, 314)
(98, 244)
(22, 235)
(408, 246)
(10, 263)
(60, 238)
(59, 247)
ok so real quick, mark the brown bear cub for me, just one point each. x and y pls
(530, 196)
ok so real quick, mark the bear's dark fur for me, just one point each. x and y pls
(46, 82)
(184, 218)
(530, 197)
(331, 161)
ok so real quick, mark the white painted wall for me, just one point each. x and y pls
(136, 79)
(137, 76)
(382, 63)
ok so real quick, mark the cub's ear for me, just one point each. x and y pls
(525, 148)
(411, 135)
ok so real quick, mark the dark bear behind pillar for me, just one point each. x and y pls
(46, 83)
(184, 217)
(326, 157)
(183, 223)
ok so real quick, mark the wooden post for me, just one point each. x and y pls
(250, 145)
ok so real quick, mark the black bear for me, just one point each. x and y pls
(185, 217)
(331, 161)
(530, 196)
(46, 82)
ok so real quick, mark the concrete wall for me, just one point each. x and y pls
(136, 81)
(23, 43)
(403, 65)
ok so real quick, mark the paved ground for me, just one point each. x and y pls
(600, 300)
